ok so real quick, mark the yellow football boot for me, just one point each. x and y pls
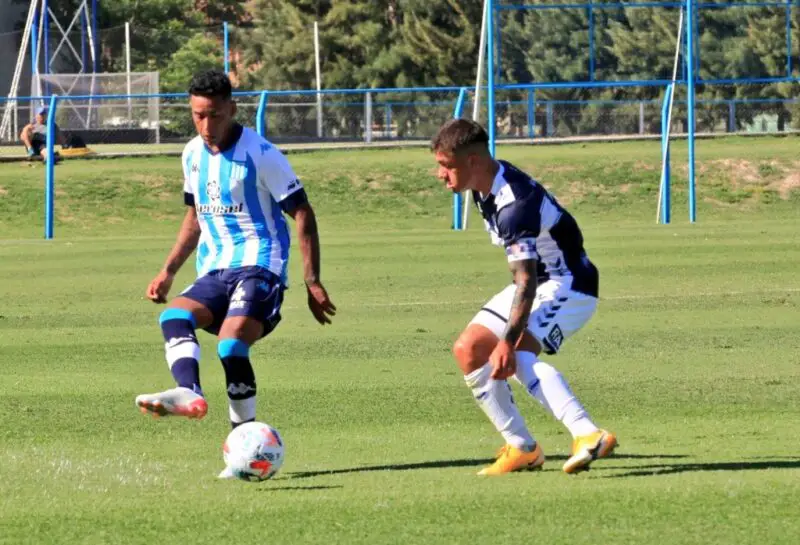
(511, 458)
(588, 448)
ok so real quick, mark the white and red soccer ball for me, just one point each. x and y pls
(253, 451)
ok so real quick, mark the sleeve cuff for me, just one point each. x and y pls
(188, 199)
(294, 201)
(522, 250)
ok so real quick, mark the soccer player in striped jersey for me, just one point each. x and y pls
(553, 294)
(237, 188)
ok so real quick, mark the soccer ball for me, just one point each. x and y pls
(253, 451)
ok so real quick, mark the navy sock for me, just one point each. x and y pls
(182, 349)
(240, 380)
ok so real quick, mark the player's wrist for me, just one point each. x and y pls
(510, 339)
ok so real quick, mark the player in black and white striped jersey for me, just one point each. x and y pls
(553, 294)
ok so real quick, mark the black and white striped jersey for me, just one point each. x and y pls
(529, 223)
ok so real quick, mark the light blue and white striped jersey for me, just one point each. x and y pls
(239, 195)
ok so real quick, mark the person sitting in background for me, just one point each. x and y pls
(34, 135)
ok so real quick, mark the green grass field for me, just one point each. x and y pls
(693, 360)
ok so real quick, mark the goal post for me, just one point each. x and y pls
(598, 76)
(461, 206)
(664, 190)
(83, 110)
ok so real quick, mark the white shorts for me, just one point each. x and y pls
(558, 313)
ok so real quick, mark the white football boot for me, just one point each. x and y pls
(226, 473)
(178, 401)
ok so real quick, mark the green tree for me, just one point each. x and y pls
(278, 51)
(743, 43)
(198, 53)
(643, 43)
(440, 41)
(767, 39)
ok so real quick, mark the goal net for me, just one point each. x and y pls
(90, 106)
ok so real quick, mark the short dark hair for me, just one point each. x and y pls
(457, 135)
(211, 84)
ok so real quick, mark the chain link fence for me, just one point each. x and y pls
(148, 122)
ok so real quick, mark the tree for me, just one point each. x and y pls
(278, 51)
(553, 46)
(767, 38)
(218, 11)
(441, 41)
(158, 30)
(198, 53)
(742, 43)
(643, 43)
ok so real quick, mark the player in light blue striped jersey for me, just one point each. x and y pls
(237, 187)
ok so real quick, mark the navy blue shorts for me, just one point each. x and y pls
(254, 292)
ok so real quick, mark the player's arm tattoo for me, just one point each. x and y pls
(188, 237)
(525, 278)
(308, 238)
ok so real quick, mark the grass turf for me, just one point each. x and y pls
(692, 360)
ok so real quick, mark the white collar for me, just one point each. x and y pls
(498, 182)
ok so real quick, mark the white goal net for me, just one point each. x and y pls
(86, 105)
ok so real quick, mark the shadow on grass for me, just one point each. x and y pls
(466, 462)
(297, 488)
(652, 470)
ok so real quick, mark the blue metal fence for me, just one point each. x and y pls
(377, 112)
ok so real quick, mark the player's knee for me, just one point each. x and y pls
(468, 353)
(247, 330)
(461, 349)
(177, 323)
(176, 314)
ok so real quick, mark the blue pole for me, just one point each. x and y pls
(261, 122)
(388, 119)
(225, 46)
(591, 41)
(458, 201)
(685, 55)
(95, 38)
(531, 113)
(49, 192)
(462, 95)
(665, 157)
(46, 40)
(490, 74)
(690, 98)
(697, 40)
(34, 45)
(83, 41)
(495, 26)
(788, 39)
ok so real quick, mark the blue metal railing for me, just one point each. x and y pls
(531, 102)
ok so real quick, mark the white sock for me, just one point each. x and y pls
(494, 397)
(550, 388)
(242, 410)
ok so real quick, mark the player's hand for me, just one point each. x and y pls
(503, 360)
(159, 288)
(320, 304)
